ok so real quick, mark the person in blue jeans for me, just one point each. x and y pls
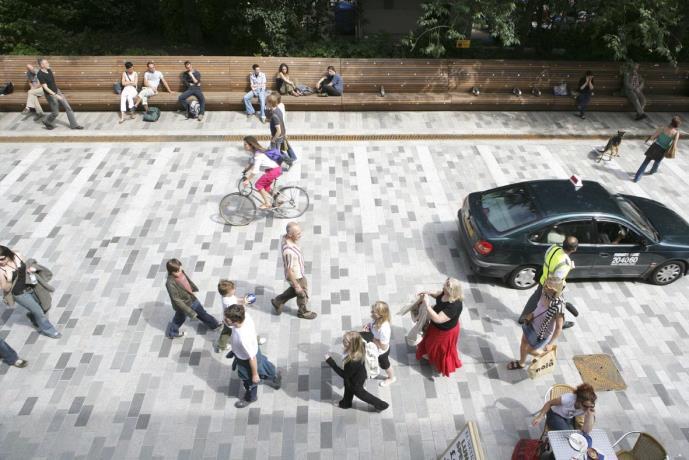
(560, 412)
(8, 355)
(17, 287)
(663, 139)
(182, 295)
(257, 81)
(252, 367)
(331, 84)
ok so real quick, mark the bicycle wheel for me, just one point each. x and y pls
(244, 190)
(291, 202)
(237, 209)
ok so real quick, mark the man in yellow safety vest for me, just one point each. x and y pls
(556, 263)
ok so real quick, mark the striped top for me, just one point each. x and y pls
(292, 259)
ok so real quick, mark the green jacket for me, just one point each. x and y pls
(180, 298)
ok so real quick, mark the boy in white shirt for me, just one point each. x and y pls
(227, 290)
(251, 365)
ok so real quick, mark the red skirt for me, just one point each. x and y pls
(441, 348)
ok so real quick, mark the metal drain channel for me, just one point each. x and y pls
(304, 138)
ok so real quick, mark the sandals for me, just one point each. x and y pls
(514, 365)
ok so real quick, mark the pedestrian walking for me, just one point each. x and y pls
(634, 90)
(54, 96)
(542, 328)
(354, 372)
(227, 291)
(585, 92)
(182, 295)
(293, 262)
(379, 331)
(17, 283)
(558, 263)
(439, 343)
(252, 366)
(664, 145)
(10, 356)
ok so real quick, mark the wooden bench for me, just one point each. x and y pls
(410, 84)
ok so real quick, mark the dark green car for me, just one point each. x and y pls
(507, 230)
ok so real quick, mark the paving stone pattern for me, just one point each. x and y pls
(382, 225)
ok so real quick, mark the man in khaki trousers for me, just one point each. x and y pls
(35, 91)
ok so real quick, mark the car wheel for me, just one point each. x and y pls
(667, 273)
(523, 277)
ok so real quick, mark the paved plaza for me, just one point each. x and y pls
(382, 225)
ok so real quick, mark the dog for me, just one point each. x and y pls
(613, 146)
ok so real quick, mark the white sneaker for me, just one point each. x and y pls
(261, 340)
(217, 348)
(388, 382)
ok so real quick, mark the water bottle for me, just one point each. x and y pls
(250, 298)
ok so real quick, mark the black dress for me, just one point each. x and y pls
(354, 375)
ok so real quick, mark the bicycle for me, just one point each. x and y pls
(240, 208)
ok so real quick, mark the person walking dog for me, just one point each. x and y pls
(664, 145)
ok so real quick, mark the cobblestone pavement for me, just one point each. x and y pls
(382, 225)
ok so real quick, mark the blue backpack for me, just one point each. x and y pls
(275, 155)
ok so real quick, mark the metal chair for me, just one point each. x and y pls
(646, 447)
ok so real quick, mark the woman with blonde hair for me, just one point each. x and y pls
(354, 372)
(544, 325)
(378, 331)
(439, 343)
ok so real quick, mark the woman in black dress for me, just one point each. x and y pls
(354, 372)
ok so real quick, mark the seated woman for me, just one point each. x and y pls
(285, 84)
(259, 160)
(544, 325)
(560, 412)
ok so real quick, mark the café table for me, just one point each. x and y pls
(559, 442)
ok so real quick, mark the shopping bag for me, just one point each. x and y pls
(544, 364)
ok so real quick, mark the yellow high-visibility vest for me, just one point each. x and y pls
(556, 262)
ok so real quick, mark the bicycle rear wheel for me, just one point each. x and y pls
(237, 209)
(291, 202)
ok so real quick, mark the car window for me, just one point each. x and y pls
(634, 214)
(582, 229)
(615, 233)
(509, 208)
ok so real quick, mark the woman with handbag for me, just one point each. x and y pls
(664, 146)
(129, 81)
(17, 287)
(439, 343)
(544, 325)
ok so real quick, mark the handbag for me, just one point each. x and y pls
(544, 364)
(672, 151)
(152, 114)
(560, 90)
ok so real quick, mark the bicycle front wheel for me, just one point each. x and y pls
(291, 202)
(244, 189)
(237, 209)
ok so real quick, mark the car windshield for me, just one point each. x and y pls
(509, 208)
(634, 214)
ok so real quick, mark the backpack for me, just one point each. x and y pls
(152, 114)
(194, 109)
(275, 155)
(6, 88)
(371, 360)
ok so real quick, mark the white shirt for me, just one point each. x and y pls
(566, 408)
(243, 339)
(228, 302)
(281, 106)
(261, 160)
(153, 78)
(383, 334)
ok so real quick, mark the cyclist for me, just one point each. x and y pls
(259, 160)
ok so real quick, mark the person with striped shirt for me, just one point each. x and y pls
(293, 261)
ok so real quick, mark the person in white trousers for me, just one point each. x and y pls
(130, 79)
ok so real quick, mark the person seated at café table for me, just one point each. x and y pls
(560, 412)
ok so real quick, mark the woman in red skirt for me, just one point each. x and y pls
(439, 344)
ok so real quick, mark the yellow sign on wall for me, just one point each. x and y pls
(463, 44)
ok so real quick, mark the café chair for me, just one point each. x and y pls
(556, 391)
(646, 447)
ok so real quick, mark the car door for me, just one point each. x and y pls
(587, 252)
(622, 251)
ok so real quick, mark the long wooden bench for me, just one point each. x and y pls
(410, 84)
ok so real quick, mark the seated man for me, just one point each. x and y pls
(257, 81)
(331, 84)
(192, 81)
(555, 236)
(152, 78)
(34, 92)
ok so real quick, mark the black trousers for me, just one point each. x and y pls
(361, 393)
(193, 91)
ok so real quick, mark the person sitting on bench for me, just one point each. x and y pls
(331, 84)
